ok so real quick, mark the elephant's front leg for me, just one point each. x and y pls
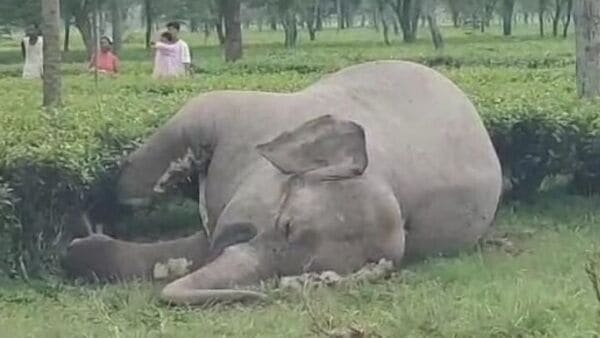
(202, 206)
(103, 258)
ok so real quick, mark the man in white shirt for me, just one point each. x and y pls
(183, 56)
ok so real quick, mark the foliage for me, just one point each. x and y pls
(20, 12)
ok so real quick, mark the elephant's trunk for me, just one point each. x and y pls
(238, 265)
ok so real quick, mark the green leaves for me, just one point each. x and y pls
(538, 125)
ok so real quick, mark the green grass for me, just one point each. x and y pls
(542, 291)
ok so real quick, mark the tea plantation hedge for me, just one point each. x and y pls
(51, 163)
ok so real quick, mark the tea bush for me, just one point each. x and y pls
(52, 163)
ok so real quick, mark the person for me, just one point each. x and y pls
(106, 62)
(182, 56)
(166, 64)
(32, 48)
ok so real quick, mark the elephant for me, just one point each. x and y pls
(99, 257)
(378, 160)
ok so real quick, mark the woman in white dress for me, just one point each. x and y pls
(32, 48)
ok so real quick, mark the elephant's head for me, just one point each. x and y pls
(330, 216)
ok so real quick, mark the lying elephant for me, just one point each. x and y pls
(103, 258)
(384, 159)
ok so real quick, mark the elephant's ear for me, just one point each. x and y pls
(325, 148)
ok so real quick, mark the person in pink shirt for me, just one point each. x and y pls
(166, 64)
(106, 61)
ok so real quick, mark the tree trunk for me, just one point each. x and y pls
(149, 20)
(508, 7)
(260, 23)
(52, 57)
(454, 12)
(340, 17)
(541, 13)
(273, 23)
(66, 43)
(436, 34)
(116, 20)
(376, 20)
(194, 25)
(569, 14)
(408, 12)
(455, 22)
(347, 15)
(526, 18)
(83, 24)
(488, 13)
(206, 31)
(384, 25)
(556, 17)
(233, 30)
(219, 29)
(312, 19)
(587, 28)
(319, 19)
(290, 27)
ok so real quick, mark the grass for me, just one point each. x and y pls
(542, 291)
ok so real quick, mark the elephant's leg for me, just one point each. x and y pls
(450, 222)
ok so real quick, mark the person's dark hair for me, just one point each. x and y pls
(167, 36)
(108, 39)
(33, 32)
(174, 24)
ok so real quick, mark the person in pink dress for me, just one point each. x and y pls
(165, 59)
(106, 62)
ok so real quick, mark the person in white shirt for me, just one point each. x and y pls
(32, 48)
(182, 55)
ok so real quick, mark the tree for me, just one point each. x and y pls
(587, 31)
(233, 30)
(542, 10)
(559, 5)
(453, 7)
(289, 21)
(116, 20)
(20, 12)
(407, 13)
(508, 8)
(568, 14)
(81, 11)
(429, 10)
(51, 32)
(149, 15)
(381, 10)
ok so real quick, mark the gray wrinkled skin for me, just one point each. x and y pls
(102, 258)
(384, 159)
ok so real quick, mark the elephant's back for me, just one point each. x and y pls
(414, 118)
(427, 139)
